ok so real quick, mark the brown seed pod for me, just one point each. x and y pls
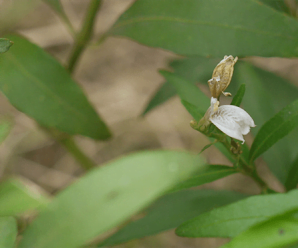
(222, 76)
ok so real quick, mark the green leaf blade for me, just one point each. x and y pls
(292, 179)
(231, 220)
(39, 86)
(275, 129)
(170, 211)
(8, 232)
(5, 44)
(190, 29)
(209, 174)
(237, 99)
(108, 196)
(276, 232)
(270, 94)
(19, 196)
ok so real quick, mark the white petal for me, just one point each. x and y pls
(239, 115)
(227, 126)
(233, 121)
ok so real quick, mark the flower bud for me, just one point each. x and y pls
(222, 76)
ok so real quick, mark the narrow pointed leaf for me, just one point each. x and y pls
(5, 128)
(209, 174)
(192, 69)
(231, 220)
(187, 91)
(19, 196)
(273, 130)
(8, 232)
(279, 5)
(5, 44)
(266, 95)
(56, 5)
(170, 211)
(292, 179)
(108, 196)
(194, 28)
(237, 99)
(273, 233)
(39, 86)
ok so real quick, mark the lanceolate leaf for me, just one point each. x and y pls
(237, 99)
(19, 196)
(39, 86)
(107, 196)
(187, 91)
(170, 211)
(279, 5)
(5, 44)
(192, 69)
(5, 128)
(8, 232)
(266, 94)
(231, 220)
(292, 179)
(194, 28)
(275, 232)
(209, 174)
(275, 129)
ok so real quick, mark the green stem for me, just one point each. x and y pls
(84, 35)
(72, 148)
(68, 24)
(69, 144)
(81, 42)
(248, 169)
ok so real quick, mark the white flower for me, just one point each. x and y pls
(232, 120)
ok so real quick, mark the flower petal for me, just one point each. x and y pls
(232, 120)
(228, 126)
(239, 115)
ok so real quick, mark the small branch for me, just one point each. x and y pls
(84, 35)
(76, 152)
(69, 144)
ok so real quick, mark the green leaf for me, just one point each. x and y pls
(8, 232)
(58, 8)
(39, 86)
(5, 44)
(170, 211)
(237, 99)
(187, 91)
(164, 93)
(273, 233)
(266, 94)
(209, 174)
(191, 69)
(231, 220)
(108, 196)
(197, 114)
(279, 5)
(292, 179)
(19, 196)
(5, 128)
(56, 5)
(194, 28)
(273, 130)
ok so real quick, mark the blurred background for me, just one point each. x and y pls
(119, 77)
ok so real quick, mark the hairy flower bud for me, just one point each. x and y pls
(222, 76)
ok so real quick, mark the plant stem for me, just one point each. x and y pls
(69, 144)
(72, 148)
(84, 35)
(247, 169)
(81, 42)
